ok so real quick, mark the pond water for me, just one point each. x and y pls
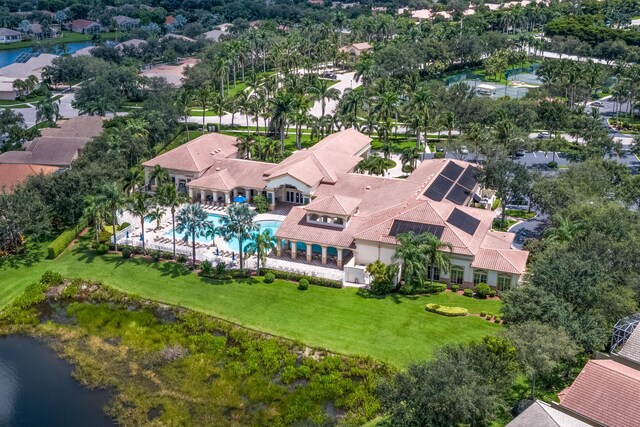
(8, 56)
(37, 389)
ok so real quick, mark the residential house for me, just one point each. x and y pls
(85, 26)
(125, 23)
(179, 37)
(542, 414)
(58, 146)
(346, 219)
(355, 50)
(171, 73)
(9, 36)
(13, 174)
(34, 66)
(38, 31)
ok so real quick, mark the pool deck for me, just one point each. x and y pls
(156, 239)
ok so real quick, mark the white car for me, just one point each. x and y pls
(597, 104)
(463, 150)
(544, 135)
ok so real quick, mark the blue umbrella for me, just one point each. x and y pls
(127, 235)
(217, 251)
(141, 237)
(233, 256)
(240, 199)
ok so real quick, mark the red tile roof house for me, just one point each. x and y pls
(605, 392)
(356, 49)
(13, 174)
(348, 220)
(85, 26)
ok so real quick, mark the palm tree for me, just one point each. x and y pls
(564, 230)
(48, 109)
(183, 104)
(413, 258)
(193, 222)
(156, 214)
(263, 242)
(238, 223)
(203, 97)
(114, 200)
(282, 107)
(133, 180)
(95, 210)
(170, 197)
(245, 145)
(139, 205)
(409, 158)
(160, 176)
(433, 247)
(322, 91)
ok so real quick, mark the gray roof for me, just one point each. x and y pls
(541, 414)
(122, 20)
(631, 348)
(8, 32)
(214, 35)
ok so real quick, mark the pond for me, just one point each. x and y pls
(37, 389)
(8, 56)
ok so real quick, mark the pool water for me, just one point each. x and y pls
(233, 243)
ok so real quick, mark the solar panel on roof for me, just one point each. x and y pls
(468, 178)
(463, 221)
(452, 171)
(458, 194)
(399, 227)
(439, 188)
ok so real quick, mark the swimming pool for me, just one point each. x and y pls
(233, 244)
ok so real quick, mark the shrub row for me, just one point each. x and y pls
(294, 277)
(56, 247)
(425, 288)
(445, 310)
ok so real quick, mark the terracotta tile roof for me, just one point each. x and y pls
(607, 392)
(339, 205)
(12, 174)
(360, 46)
(631, 347)
(227, 174)
(541, 414)
(296, 228)
(505, 260)
(337, 153)
(83, 23)
(197, 155)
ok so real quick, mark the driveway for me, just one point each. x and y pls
(532, 228)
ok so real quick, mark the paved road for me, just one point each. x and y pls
(532, 228)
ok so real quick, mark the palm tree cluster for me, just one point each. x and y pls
(420, 254)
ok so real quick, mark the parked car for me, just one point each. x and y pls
(520, 152)
(328, 75)
(597, 104)
(463, 150)
(439, 149)
(544, 135)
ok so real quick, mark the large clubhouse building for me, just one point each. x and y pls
(347, 219)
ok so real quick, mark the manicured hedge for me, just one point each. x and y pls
(445, 310)
(294, 277)
(426, 288)
(56, 247)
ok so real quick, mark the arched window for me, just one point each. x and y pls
(457, 275)
(313, 217)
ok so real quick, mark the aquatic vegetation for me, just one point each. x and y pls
(172, 366)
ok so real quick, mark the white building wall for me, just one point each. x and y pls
(366, 253)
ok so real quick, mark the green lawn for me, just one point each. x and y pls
(396, 328)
